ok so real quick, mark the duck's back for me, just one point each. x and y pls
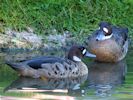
(51, 67)
(120, 35)
(36, 63)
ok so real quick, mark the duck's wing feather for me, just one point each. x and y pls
(37, 62)
(120, 35)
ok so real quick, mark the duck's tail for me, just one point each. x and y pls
(15, 66)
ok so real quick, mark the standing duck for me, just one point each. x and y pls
(109, 43)
(54, 67)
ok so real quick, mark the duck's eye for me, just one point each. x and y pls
(105, 30)
(84, 51)
(81, 48)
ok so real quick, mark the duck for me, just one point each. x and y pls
(71, 66)
(109, 43)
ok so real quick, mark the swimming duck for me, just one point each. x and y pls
(54, 67)
(109, 43)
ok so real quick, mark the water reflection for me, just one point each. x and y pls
(103, 77)
(46, 85)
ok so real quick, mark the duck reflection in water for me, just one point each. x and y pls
(26, 84)
(103, 77)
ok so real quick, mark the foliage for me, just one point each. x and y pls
(72, 15)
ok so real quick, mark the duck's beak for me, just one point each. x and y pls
(87, 54)
(101, 36)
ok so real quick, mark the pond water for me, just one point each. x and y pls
(105, 81)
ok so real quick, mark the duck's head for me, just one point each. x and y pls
(76, 53)
(104, 32)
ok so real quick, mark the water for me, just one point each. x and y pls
(104, 81)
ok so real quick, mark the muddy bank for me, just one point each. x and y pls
(28, 39)
(18, 46)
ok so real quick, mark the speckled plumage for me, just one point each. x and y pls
(53, 67)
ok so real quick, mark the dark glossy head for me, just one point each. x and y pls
(104, 32)
(76, 53)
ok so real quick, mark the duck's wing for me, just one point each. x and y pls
(34, 63)
(120, 35)
(37, 62)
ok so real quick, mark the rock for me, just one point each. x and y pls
(31, 38)
(24, 39)
(5, 40)
(57, 39)
(28, 39)
(60, 40)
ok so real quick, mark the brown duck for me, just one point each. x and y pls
(54, 67)
(109, 43)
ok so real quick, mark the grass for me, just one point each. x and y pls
(72, 15)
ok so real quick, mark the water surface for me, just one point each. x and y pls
(104, 81)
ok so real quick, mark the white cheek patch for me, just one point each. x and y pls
(107, 37)
(103, 37)
(105, 30)
(84, 51)
(75, 58)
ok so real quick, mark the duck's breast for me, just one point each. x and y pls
(107, 50)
